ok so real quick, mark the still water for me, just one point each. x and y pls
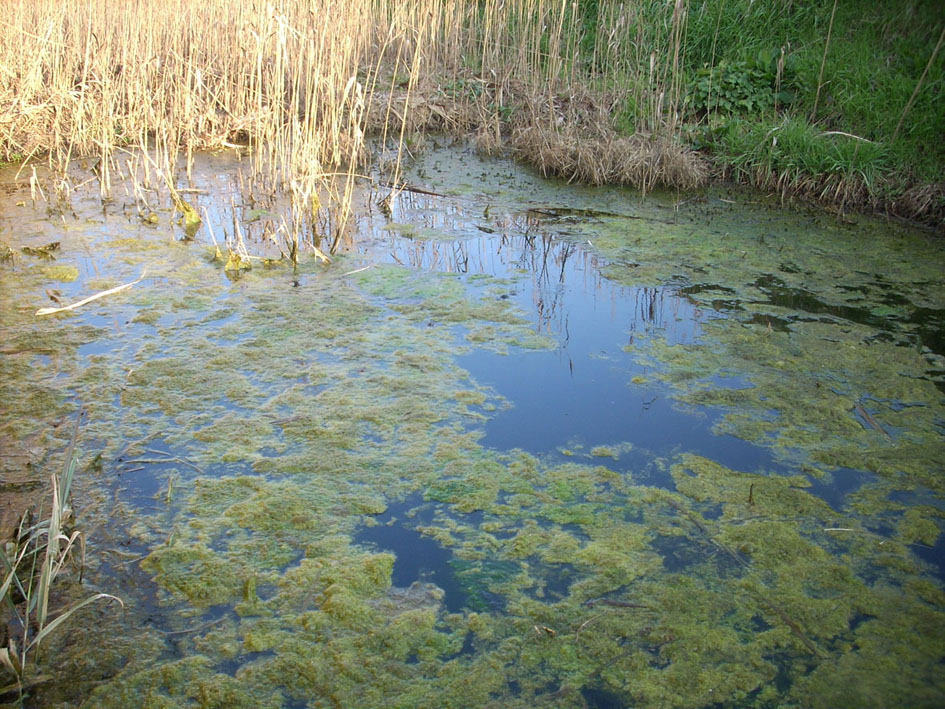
(522, 443)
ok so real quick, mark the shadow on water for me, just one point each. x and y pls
(465, 583)
(933, 554)
(834, 486)
(928, 324)
(600, 698)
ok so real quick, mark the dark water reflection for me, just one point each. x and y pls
(928, 323)
(419, 558)
(587, 391)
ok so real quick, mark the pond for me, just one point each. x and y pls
(521, 443)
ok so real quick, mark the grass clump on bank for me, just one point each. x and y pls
(794, 156)
(838, 101)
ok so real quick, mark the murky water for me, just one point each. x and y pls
(524, 443)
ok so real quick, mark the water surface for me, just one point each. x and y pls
(522, 443)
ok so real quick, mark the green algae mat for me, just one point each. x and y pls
(525, 444)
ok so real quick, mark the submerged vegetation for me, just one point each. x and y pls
(278, 447)
(298, 491)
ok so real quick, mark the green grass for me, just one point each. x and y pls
(752, 69)
(797, 151)
(876, 56)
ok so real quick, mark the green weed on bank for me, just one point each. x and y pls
(795, 155)
(875, 57)
(805, 93)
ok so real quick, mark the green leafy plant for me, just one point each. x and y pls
(504, 111)
(461, 88)
(740, 87)
(32, 563)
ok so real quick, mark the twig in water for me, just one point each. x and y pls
(157, 452)
(110, 291)
(865, 415)
(184, 461)
(587, 622)
(169, 633)
(795, 628)
(135, 559)
(124, 554)
(614, 603)
(762, 597)
(131, 444)
(410, 188)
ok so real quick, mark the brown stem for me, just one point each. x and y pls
(918, 86)
(823, 61)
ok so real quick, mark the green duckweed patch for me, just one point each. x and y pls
(195, 573)
(62, 272)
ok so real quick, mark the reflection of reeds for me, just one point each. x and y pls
(304, 84)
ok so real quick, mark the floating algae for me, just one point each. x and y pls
(284, 420)
(61, 272)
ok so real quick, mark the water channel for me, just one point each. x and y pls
(522, 443)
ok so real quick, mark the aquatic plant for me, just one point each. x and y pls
(265, 423)
(32, 563)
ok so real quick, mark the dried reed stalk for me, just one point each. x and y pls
(303, 84)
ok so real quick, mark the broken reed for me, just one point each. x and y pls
(305, 82)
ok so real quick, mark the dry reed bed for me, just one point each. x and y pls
(571, 137)
(305, 82)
